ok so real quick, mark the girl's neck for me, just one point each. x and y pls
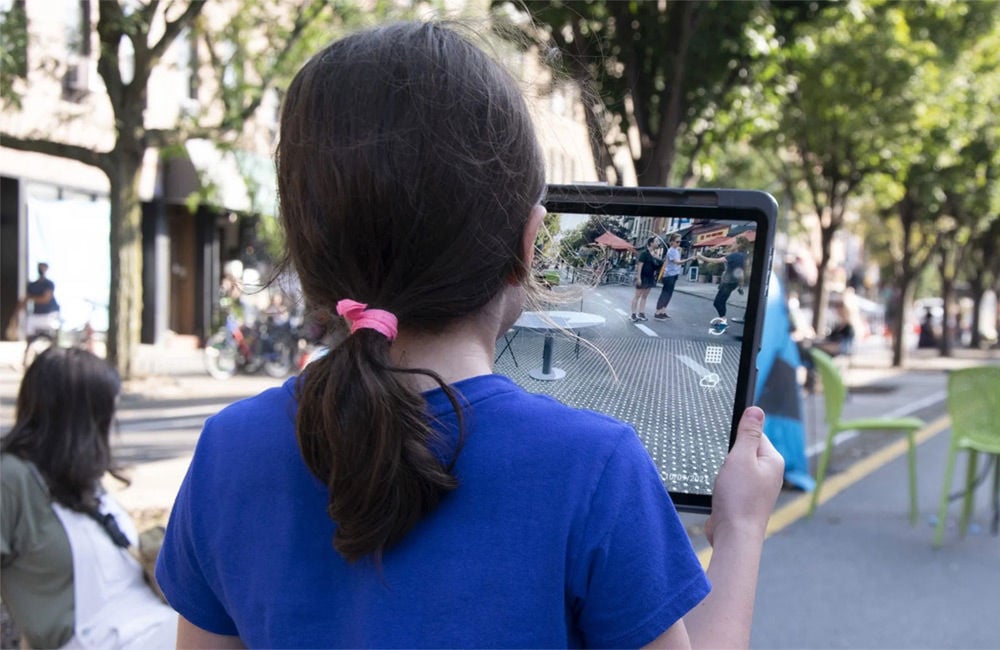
(462, 350)
(456, 356)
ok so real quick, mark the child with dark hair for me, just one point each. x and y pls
(647, 268)
(399, 493)
(68, 576)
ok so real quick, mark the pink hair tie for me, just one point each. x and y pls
(360, 317)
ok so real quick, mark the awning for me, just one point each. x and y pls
(715, 241)
(612, 240)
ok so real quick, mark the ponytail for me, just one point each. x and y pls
(366, 434)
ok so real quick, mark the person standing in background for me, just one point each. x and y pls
(44, 315)
(671, 271)
(732, 280)
(645, 279)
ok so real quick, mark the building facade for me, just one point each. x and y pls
(201, 205)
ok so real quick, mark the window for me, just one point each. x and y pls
(76, 78)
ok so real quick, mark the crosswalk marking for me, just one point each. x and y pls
(645, 330)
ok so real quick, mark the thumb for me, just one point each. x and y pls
(750, 430)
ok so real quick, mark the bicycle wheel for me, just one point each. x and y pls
(221, 356)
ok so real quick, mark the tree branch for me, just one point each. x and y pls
(84, 155)
(173, 28)
(110, 28)
(303, 18)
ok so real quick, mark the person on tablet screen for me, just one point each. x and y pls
(645, 279)
(398, 493)
(733, 278)
(671, 271)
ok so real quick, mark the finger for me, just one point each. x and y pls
(750, 430)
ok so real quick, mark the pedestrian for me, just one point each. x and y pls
(69, 579)
(43, 317)
(671, 270)
(927, 338)
(398, 493)
(840, 340)
(733, 277)
(645, 279)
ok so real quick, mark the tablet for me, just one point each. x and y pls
(682, 381)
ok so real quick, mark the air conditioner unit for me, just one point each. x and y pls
(76, 80)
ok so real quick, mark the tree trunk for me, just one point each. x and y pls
(905, 287)
(651, 173)
(977, 288)
(125, 308)
(946, 346)
(820, 291)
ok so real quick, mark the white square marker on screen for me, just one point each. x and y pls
(713, 354)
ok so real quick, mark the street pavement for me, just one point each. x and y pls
(856, 575)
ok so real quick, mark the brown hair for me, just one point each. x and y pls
(407, 169)
(65, 408)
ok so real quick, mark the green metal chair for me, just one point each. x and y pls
(834, 394)
(974, 407)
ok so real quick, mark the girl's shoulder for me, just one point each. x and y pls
(15, 470)
(253, 421)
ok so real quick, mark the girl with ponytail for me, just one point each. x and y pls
(399, 493)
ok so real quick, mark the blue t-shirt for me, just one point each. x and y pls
(559, 534)
(38, 288)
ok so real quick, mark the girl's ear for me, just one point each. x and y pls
(528, 239)
(531, 233)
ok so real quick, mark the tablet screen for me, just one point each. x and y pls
(680, 374)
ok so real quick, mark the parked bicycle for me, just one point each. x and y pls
(249, 349)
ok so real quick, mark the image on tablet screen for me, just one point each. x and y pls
(673, 378)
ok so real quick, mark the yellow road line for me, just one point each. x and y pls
(834, 485)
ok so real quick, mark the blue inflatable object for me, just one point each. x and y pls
(778, 391)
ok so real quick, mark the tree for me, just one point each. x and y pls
(853, 93)
(981, 268)
(259, 44)
(970, 173)
(580, 238)
(663, 70)
(13, 51)
(941, 192)
(544, 242)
